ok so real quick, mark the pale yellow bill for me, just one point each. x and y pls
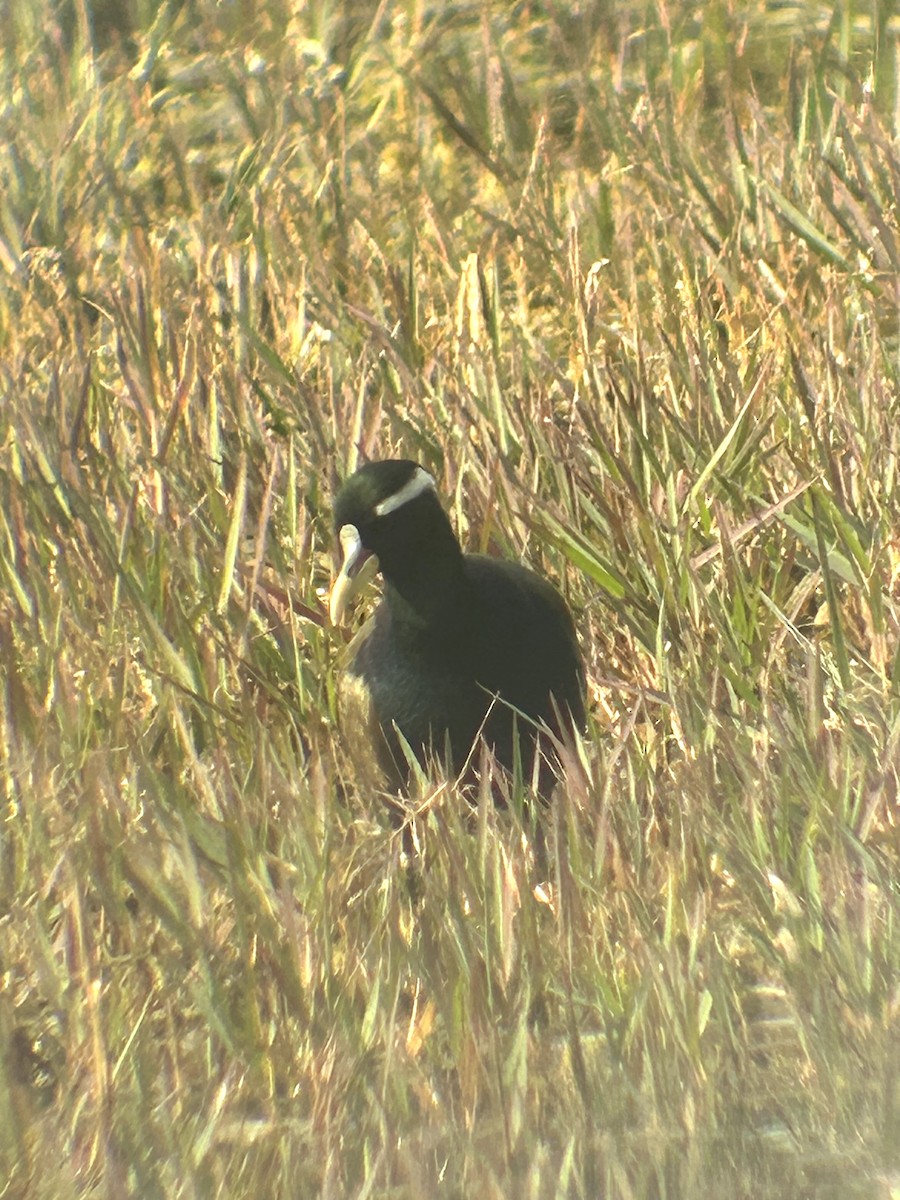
(357, 570)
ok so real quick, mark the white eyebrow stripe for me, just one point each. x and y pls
(420, 482)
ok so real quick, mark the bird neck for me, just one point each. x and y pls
(426, 588)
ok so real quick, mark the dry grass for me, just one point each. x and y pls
(629, 284)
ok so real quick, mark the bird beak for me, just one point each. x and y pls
(358, 568)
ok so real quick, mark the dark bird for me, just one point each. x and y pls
(461, 644)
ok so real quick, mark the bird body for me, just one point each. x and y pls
(461, 645)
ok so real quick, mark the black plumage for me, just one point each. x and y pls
(461, 644)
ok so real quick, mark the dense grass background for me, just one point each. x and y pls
(626, 278)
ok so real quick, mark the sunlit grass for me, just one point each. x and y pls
(628, 285)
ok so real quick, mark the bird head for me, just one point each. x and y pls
(387, 515)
